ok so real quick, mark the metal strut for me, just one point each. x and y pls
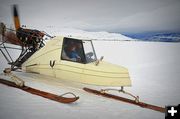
(7, 56)
(136, 98)
(68, 93)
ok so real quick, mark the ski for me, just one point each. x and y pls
(141, 104)
(44, 94)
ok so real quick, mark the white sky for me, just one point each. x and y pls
(97, 15)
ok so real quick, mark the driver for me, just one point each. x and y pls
(72, 53)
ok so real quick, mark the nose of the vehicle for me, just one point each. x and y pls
(106, 74)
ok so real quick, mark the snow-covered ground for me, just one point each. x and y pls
(101, 35)
(154, 70)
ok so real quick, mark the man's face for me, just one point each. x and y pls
(79, 45)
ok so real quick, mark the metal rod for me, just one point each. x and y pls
(11, 48)
(5, 56)
(7, 52)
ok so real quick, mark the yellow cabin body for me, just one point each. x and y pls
(48, 61)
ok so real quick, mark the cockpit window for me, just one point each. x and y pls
(78, 51)
(89, 51)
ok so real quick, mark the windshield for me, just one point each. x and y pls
(89, 51)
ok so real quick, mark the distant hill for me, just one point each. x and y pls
(161, 37)
(101, 35)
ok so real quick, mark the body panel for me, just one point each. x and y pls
(104, 74)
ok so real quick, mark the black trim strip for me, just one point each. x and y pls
(31, 65)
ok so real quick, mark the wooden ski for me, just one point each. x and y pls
(41, 93)
(141, 104)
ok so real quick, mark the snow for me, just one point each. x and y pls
(154, 70)
(101, 35)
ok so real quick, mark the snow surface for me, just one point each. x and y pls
(101, 35)
(154, 70)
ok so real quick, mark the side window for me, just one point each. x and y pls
(72, 50)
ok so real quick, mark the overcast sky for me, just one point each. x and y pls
(97, 15)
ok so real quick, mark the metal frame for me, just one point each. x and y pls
(7, 55)
(136, 98)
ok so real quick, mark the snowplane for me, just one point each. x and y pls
(67, 58)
